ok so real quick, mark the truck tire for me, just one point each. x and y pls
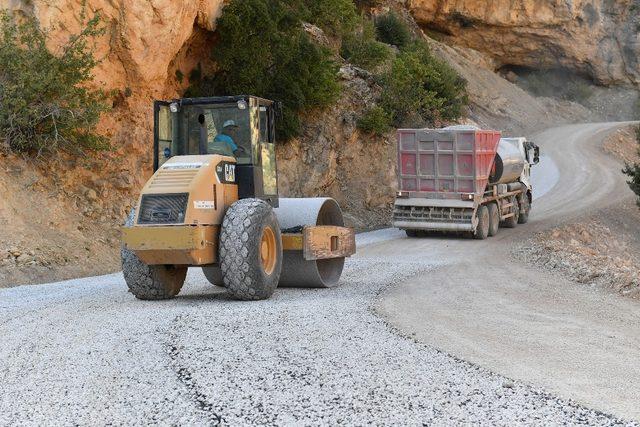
(525, 207)
(412, 233)
(494, 219)
(482, 230)
(150, 282)
(512, 221)
(213, 275)
(250, 250)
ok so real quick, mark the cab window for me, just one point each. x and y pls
(225, 129)
(268, 154)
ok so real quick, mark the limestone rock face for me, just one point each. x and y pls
(597, 38)
(143, 38)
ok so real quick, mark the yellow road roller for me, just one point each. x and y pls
(213, 203)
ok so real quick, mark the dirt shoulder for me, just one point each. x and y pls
(603, 248)
(58, 220)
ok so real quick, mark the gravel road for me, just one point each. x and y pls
(512, 318)
(86, 352)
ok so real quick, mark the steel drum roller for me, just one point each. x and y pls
(296, 271)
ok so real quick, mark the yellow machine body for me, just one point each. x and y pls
(201, 183)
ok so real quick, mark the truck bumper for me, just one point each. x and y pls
(178, 244)
(434, 214)
(433, 226)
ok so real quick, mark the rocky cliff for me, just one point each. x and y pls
(60, 218)
(595, 38)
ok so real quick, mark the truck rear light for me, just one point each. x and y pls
(402, 194)
(467, 196)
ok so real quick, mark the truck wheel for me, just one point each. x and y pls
(482, 231)
(494, 219)
(250, 250)
(525, 207)
(512, 221)
(412, 233)
(213, 275)
(150, 282)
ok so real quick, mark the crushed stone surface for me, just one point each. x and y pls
(86, 352)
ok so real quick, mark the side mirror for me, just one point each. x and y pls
(277, 107)
(536, 154)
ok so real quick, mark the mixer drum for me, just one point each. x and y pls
(509, 163)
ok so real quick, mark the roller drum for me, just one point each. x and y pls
(297, 272)
(510, 162)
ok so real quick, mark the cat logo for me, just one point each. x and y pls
(226, 173)
(230, 172)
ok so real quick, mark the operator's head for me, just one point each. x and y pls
(229, 126)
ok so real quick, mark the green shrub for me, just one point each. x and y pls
(376, 121)
(179, 76)
(391, 29)
(45, 104)
(264, 51)
(421, 89)
(337, 17)
(361, 48)
(633, 171)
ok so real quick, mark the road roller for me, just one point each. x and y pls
(213, 203)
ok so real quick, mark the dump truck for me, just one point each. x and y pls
(462, 179)
(213, 203)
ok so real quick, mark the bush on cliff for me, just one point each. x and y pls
(420, 89)
(361, 48)
(263, 50)
(45, 104)
(391, 29)
(633, 171)
(337, 17)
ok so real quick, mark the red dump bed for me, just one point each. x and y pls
(445, 163)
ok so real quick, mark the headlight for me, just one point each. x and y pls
(174, 107)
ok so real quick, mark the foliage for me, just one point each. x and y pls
(45, 104)
(264, 51)
(421, 89)
(361, 48)
(337, 17)
(633, 171)
(391, 29)
(179, 76)
(375, 121)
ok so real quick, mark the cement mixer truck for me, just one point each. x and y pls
(462, 179)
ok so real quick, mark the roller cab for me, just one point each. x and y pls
(213, 202)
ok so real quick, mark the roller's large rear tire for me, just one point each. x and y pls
(250, 250)
(150, 282)
(482, 230)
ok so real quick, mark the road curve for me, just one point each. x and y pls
(528, 324)
(86, 352)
